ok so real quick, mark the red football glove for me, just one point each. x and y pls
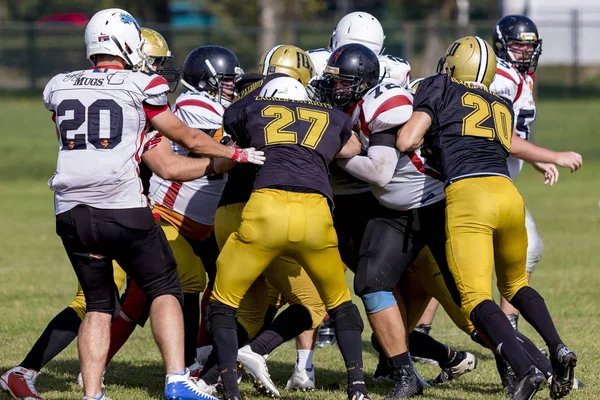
(249, 155)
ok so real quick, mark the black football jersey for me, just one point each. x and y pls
(299, 138)
(471, 127)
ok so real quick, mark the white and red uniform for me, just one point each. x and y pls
(101, 116)
(197, 199)
(518, 88)
(400, 181)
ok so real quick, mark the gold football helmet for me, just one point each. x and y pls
(157, 53)
(470, 59)
(289, 60)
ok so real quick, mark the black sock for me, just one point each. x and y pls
(488, 317)
(269, 317)
(221, 323)
(211, 376)
(535, 355)
(383, 360)
(191, 325)
(289, 324)
(399, 360)
(348, 328)
(423, 345)
(229, 375)
(533, 308)
(59, 333)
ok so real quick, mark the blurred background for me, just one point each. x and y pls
(39, 38)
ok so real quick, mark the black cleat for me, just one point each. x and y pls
(383, 373)
(507, 376)
(358, 392)
(529, 385)
(564, 362)
(463, 363)
(407, 384)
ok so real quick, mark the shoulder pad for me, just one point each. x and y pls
(386, 106)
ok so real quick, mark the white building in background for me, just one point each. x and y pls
(560, 23)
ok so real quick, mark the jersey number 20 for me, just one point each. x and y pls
(92, 115)
(482, 112)
(275, 132)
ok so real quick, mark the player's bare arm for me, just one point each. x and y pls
(530, 152)
(199, 142)
(164, 163)
(410, 135)
(350, 149)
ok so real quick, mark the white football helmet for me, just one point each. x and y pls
(114, 31)
(394, 70)
(285, 88)
(358, 27)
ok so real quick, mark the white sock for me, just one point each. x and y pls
(304, 359)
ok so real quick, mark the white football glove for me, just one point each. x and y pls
(249, 155)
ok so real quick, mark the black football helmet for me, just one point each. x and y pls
(517, 29)
(355, 65)
(211, 69)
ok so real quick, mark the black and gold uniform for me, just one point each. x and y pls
(485, 222)
(288, 214)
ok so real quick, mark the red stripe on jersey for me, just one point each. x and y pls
(197, 103)
(532, 77)
(392, 102)
(519, 89)
(54, 116)
(157, 81)
(171, 195)
(505, 74)
(152, 111)
(418, 163)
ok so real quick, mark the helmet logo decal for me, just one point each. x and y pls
(337, 54)
(128, 19)
(303, 61)
(527, 36)
(452, 49)
(103, 38)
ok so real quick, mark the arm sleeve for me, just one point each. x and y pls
(377, 168)
(430, 95)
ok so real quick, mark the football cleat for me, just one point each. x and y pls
(564, 362)
(182, 387)
(407, 384)
(529, 385)
(383, 373)
(204, 387)
(19, 383)
(255, 365)
(507, 376)
(358, 395)
(463, 363)
(195, 370)
(303, 379)
(103, 397)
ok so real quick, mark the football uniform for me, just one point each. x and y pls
(485, 220)
(102, 214)
(517, 88)
(288, 213)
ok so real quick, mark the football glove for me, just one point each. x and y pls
(249, 155)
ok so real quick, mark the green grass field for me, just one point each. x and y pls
(37, 281)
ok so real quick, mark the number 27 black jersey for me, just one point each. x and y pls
(471, 129)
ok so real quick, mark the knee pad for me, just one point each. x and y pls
(483, 311)
(220, 316)
(378, 301)
(346, 317)
(523, 296)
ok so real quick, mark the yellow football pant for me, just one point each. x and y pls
(286, 281)
(424, 281)
(79, 305)
(485, 226)
(280, 223)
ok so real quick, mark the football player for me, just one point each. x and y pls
(101, 212)
(470, 131)
(287, 214)
(62, 330)
(185, 210)
(285, 275)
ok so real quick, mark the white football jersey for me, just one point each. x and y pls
(101, 117)
(319, 58)
(415, 183)
(197, 199)
(518, 89)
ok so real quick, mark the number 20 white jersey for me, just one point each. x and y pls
(518, 89)
(101, 118)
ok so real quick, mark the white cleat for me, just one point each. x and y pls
(255, 365)
(205, 388)
(303, 379)
(95, 398)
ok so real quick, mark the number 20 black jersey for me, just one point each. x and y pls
(471, 129)
(101, 117)
(299, 138)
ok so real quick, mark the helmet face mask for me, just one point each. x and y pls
(351, 71)
(156, 55)
(212, 69)
(516, 40)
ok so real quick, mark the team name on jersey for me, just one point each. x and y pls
(309, 102)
